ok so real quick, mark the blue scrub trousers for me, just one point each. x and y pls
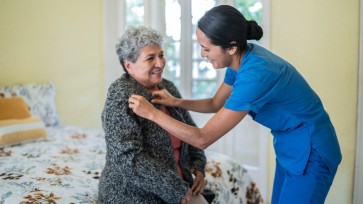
(309, 188)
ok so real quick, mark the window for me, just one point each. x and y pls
(193, 75)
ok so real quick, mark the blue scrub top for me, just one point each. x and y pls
(278, 97)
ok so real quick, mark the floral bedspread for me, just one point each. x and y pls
(230, 182)
(65, 168)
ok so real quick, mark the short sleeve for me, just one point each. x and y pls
(245, 96)
(230, 76)
(252, 89)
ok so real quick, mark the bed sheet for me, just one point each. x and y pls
(65, 168)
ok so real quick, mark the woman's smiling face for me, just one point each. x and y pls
(216, 55)
(148, 68)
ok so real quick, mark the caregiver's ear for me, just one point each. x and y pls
(233, 48)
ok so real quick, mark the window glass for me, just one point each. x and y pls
(205, 79)
(251, 9)
(172, 69)
(134, 12)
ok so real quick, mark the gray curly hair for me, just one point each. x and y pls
(133, 40)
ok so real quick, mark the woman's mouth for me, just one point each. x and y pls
(157, 71)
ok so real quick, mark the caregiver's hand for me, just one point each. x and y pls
(163, 97)
(141, 106)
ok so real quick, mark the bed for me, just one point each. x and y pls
(62, 164)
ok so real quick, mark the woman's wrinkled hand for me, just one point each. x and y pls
(163, 97)
(141, 107)
(198, 184)
(187, 197)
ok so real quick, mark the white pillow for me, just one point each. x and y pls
(39, 97)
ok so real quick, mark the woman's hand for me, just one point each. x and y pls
(141, 106)
(198, 184)
(187, 197)
(163, 97)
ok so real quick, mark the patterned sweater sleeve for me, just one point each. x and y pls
(124, 143)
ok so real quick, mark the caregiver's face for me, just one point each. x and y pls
(216, 55)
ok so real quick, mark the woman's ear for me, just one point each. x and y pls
(233, 48)
(128, 66)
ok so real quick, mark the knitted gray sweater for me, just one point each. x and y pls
(140, 165)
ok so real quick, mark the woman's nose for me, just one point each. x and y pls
(160, 62)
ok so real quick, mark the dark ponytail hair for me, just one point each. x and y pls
(225, 26)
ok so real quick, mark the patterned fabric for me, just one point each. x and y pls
(39, 97)
(65, 168)
(230, 181)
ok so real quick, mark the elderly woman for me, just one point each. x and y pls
(144, 163)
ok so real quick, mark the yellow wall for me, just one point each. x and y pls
(58, 41)
(61, 41)
(321, 39)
